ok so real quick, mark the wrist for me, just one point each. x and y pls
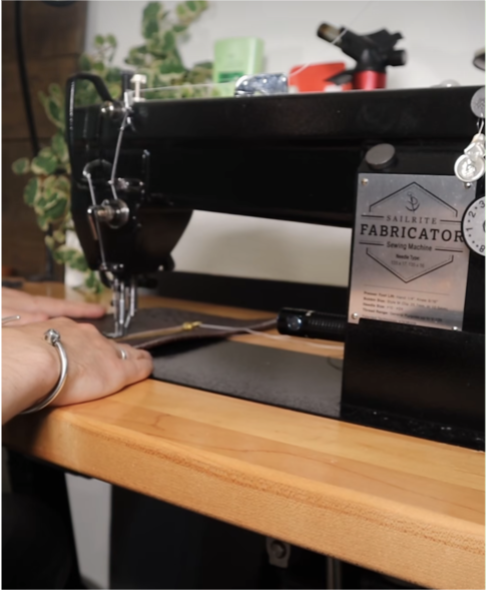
(22, 388)
(49, 362)
(54, 339)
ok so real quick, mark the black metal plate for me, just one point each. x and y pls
(301, 382)
(263, 374)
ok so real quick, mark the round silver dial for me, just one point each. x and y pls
(474, 226)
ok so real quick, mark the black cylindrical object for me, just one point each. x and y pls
(313, 324)
(59, 3)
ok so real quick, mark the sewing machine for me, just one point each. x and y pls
(379, 162)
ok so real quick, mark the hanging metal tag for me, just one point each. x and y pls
(478, 103)
(470, 166)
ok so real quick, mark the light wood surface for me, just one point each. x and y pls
(407, 507)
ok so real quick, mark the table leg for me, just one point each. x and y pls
(47, 483)
(334, 569)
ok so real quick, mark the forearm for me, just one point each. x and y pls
(15, 398)
(29, 372)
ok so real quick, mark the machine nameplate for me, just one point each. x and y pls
(410, 262)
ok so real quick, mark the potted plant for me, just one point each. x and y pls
(48, 189)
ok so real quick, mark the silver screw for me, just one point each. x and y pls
(467, 185)
(355, 315)
(278, 549)
(364, 181)
(138, 80)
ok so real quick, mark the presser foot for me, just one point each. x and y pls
(124, 301)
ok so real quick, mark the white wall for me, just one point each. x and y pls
(90, 512)
(440, 37)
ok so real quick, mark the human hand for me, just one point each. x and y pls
(33, 309)
(31, 366)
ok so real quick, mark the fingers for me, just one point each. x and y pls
(52, 307)
(66, 308)
(138, 368)
(31, 317)
(132, 367)
(137, 365)
(25, 317)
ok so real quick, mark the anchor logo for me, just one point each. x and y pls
(413, 203)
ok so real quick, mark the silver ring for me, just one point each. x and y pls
(6, 320)
(123, 354)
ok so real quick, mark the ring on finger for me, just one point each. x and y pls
(123, 354)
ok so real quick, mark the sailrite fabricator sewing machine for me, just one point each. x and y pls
(404, 169)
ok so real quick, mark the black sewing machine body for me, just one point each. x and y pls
(302, 158)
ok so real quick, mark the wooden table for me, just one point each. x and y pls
(403, 506)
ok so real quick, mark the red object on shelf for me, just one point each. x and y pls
(313, 77)
(369, 80)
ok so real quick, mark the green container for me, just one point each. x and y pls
(237, 57)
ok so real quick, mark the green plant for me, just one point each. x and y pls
(158, 57)
(48, 189)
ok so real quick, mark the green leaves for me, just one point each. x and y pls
(85, 62)
(72, 257)
(137, 56)
(160, 54)
(111, 40)
(56, 93)
(151, 19)
(44, 163)
(55, 210)
(59, 236)
(189, 11)
(60, 148)
(55, 198)
(99, 62)
(43, 223)
(153, 10)
(179, 28)
(169, 41)
(53, 104)
(105, 48)
(200, 73)
(32, 191)
(21, 166)
(48, 191)
(50, 198)
(171, 66)
(159, 58)
(93, 283)
(113, 75)
(49, 243)
(75, 259)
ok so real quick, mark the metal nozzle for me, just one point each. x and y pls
(479, 59)
(398, 57)
(328, 33)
